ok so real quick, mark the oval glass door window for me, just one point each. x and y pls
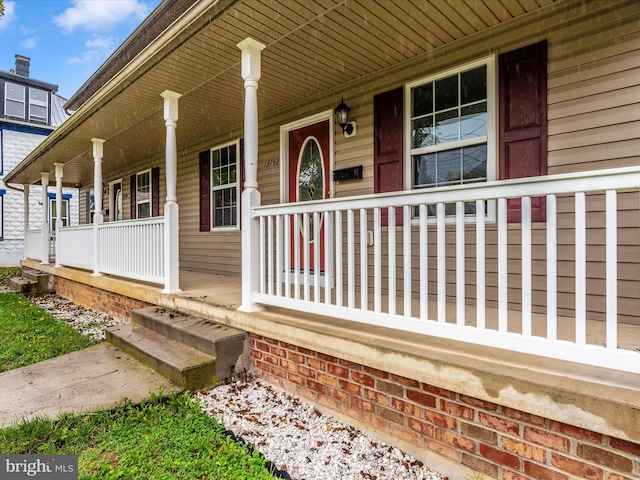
(310, 176)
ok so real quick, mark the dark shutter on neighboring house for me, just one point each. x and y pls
(523, 120)
(155, 190)
(205, 191)
(87, 203)
(388, 145)
(132, 200)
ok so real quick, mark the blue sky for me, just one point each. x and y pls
(67, 40)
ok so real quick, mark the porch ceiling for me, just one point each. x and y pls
(313, 48)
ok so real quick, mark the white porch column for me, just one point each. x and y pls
(250, 196)
(44, 257)
(98, 149)
(59, 172)
(171, 211)
(26, 217)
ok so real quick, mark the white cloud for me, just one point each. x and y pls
(29, 43)
(9, 15)
(100, 15)
(98, 48)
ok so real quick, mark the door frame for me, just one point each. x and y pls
(284, 176)
(284, 150)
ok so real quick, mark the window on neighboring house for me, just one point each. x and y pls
(53, 210)
(2, 194)
(14, 103)
(38, 105)
(143, 194)
(224, 186)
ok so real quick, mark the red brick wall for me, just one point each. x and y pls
(116, 305)
(495, 440)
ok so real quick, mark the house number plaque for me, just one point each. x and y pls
(273, 162)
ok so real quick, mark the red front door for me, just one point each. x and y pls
(309, 180)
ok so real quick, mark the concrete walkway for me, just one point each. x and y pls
(97, 377)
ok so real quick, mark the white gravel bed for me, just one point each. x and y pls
(301, 440)
(88, 322)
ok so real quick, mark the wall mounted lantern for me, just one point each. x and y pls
(342, 116)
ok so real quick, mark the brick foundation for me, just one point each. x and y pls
(497, 441)
(116, 305)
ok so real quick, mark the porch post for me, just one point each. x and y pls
(171, 211)
(26, 217)
(98, 149)
(59, 171)
(250, 196)
(44, 254)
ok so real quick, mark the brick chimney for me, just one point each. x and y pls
(22, 65)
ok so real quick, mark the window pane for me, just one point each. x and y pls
(447, 126)
(473, 122)
(449, 167)
(474, 160)
(311, 176)
(447, 93)
(425, 172)
(15, 109)
(215, 158)
(473, 85)
(423, 133)
(144, 210)
(15, 92)
(38, 111)
(422, 100)
(38, 95)
(224, 156)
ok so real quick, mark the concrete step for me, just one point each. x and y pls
(229, 345)
(186, 366)
(23, 285)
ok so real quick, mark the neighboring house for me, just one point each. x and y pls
(30, 110)
(465, 281)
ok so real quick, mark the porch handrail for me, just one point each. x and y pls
(288, 279)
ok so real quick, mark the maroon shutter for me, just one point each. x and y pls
(87, 202)
(155, 191)
(523, 121)
(132, 201)
(205, 191)
(388, 145)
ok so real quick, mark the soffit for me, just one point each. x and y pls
(312, 47)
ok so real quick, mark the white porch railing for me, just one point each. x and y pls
(33, 243)
(131, 249)
(469, 277)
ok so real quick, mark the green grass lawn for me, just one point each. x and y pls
(29, 335)
(160, 439)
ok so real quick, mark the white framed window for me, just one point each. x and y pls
(2, 194)
(143, 194)
(14, 101)
(38, 105)
(53, 211)
(451, 136)
(225, 186)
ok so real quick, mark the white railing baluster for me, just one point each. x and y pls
(406, 257)
(391, 260)
(317, 234)
(552, 268)
(328, 254)
(424, 263)
(364, 270)
(460, 265)
(296, 256)
(279, 265)
(480, 266)
(526, 265)
(502, 266)
(351, 263)
(581, 268)
(338, 258)
(612, 269)
(262, 256)
(306, 255)
(287, 255)
(377, 263)
(442, 263)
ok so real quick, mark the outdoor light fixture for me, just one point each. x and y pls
(342, 116)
